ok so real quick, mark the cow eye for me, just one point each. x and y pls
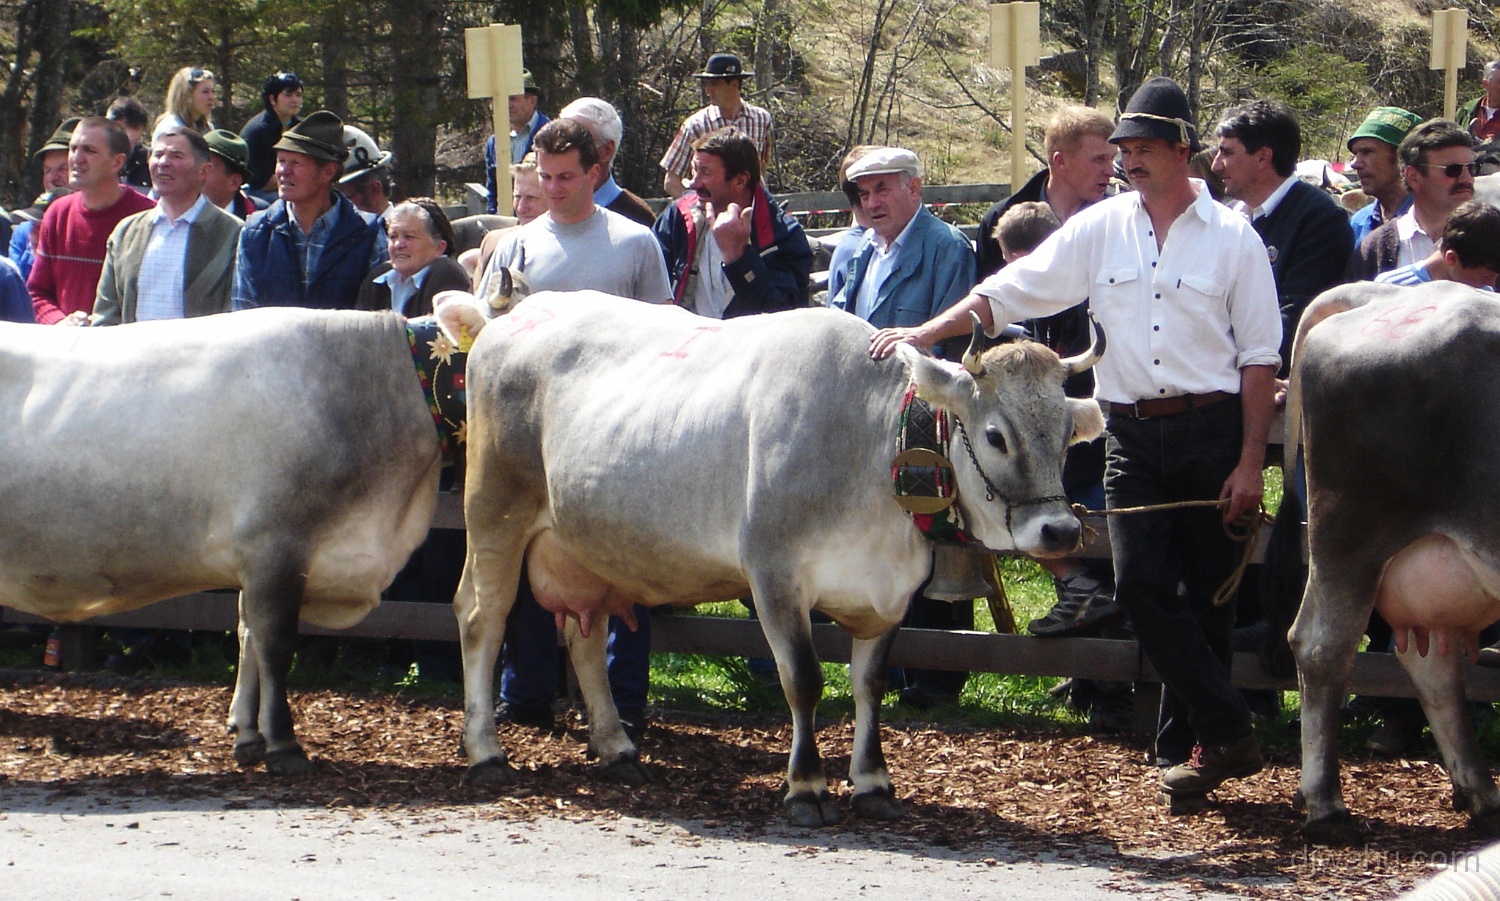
(996, 440)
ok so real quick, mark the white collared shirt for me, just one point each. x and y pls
(1267, 206)
(403, 289)
(161, 282)
(1182, 320)
(1415, 244)
(882, 262)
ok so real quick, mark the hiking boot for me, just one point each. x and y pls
(1212, 766)
(1490, 656)
(1082, 601)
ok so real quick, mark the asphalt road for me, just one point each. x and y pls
(107, 847)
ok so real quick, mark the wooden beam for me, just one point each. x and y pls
(1375, 674)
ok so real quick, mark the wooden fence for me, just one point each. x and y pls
(1375, 674)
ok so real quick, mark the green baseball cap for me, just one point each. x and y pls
(1386, 123)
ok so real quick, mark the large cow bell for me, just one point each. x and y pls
(960, 573)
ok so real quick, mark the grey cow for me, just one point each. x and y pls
(1403, 517)
(289, 453)
(640, 454)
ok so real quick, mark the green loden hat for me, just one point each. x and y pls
(231, 148)
(320, 136)
(61, 137)
(1386, 123)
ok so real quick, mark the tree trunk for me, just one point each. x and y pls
(54, 36)
(335, 61)
(416, 96)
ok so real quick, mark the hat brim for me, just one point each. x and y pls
(385, 157)
(740, 75)
(234, 164)
(1137, 128)
(315, 149)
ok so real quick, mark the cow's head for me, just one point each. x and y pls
(462, 315)
(1009, 401)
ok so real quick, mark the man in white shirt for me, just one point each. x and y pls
(1187, 384)
(176, 260)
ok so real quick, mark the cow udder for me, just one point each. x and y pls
(565, 588)
(1435, 588)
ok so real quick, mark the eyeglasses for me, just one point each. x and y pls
(1453, 170)
(198, 75)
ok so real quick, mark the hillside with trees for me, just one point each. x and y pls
(834, 72)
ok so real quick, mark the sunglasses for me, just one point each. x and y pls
(198, 75)
(1453, 170)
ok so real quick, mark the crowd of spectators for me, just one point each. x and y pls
(1199, 281)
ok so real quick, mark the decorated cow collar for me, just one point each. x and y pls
(440, 362)
(925, 484)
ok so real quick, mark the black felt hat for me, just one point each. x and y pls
(724, 65)
(1158, 109)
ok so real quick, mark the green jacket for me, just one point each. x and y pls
(1466, 113)
(208, 272)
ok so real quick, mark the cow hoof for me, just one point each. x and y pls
(877, 804)
(1184, 805)
(491, 772)
(1337, 828)
(626, 770)
(1299, 801)
(250, 753)
(288, 762)
(811, 812)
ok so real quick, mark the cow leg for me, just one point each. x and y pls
(788, 629)
(481, 630)
(873, 795)
(616, 753)
(269, 607)
(249, 744)
(1439, 681)
(1324, 638)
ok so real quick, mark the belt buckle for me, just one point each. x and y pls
(1137, 412)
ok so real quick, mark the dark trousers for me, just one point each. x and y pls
(1186, 456)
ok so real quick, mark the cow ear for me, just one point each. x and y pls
(1088, 419)
(938, 383)
(459, 317)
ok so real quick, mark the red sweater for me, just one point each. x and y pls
(70, 253)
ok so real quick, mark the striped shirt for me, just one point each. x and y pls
(159, 290)
(754, 121)
(1415, 274)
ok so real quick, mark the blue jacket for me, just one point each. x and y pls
(770, 277)
(491, 175)
(934, 268)
(269, 270)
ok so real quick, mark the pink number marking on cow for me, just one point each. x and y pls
(682, 349)
(1398, 323)
(523, 320)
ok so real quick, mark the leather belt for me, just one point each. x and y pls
(1167, 406)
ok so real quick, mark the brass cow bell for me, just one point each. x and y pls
(960, 573)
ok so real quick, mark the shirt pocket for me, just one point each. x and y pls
(1202, 293)
(1116, 279)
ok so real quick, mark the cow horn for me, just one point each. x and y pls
(500, 298)
(1075, 365)
(972, 362)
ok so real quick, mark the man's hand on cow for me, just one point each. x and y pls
(77, 317)
(1279, 397)
(885, 341)
(1243, 489)
(731, 230)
